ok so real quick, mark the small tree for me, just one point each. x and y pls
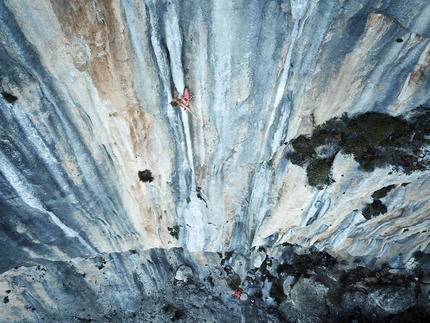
(145, 175)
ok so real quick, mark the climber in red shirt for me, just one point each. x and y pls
(238, 293)
(183, 102)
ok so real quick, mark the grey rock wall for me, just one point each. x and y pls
(93, 82)
(161, 285)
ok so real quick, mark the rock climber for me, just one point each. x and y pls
(238, 293)
(200, 196)
(228, 270)
(183, 102)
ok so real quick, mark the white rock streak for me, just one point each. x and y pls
(298, 8)
(26, 193)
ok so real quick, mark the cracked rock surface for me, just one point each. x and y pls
(115, 206)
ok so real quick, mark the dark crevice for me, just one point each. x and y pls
(9, 97)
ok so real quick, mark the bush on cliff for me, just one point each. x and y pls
(374, 139)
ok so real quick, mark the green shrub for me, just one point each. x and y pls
(374, 139)
(332, 130)
(302, 145)
(145, 175)
(297, 158)
(174, 231)
(382, 192)
(421, 120)
(318, 171)
(380, 129)
(374, 209)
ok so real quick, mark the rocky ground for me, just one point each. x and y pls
(173, 285)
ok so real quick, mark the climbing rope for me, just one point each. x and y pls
(315, 258)
(229, 278)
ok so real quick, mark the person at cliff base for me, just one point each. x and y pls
(238, 293)
(228, 270)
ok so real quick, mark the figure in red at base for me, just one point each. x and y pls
(238, 293)
(183, 102)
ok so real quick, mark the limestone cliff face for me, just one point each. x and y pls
(85, 99)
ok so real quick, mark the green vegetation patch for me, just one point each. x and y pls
(374, 209)
(303, 146)
(318, 172)
(145, 175)
(380, 130)
(379, 194)
(374, 139)
(174, 231)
